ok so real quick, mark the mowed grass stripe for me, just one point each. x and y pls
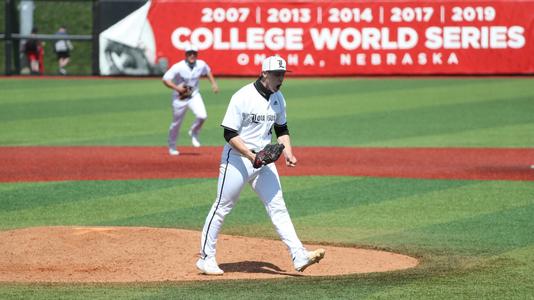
(326, 87)
(408, 214)
(35, 91)
(346, 112)
(378, 128)
(503, 276)
(361, 208)
(97, 202)
(48, 102)
(118, 128)
(514, 136)
(30, 195)
(357, 98)
(80, 107)
(482, 234)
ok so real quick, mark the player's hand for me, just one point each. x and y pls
(251, 156)
(215, 88)
(291, 161)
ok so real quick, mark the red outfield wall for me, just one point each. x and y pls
(350, 38)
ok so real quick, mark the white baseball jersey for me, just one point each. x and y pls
(180, 72)
(253, 117)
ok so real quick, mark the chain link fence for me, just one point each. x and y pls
(75, 16)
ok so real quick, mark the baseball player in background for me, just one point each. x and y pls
(254, 111)
(183, 78)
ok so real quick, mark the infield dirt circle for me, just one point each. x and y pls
(140, 254)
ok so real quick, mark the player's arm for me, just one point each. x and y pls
(214, 86)
(282, 134)
(233, 138)
(168, 80)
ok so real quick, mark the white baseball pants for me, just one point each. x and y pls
(235, 171)
(179, 108)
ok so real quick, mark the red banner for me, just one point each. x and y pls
(350, 38)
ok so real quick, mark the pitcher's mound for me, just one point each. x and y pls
(129, 254)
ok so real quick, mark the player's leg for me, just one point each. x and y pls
(35, 66)
(58, 55)
(267, 186)
(179, 108)
(34, 62)
(196, 104)
(63, 62)
(232, 177)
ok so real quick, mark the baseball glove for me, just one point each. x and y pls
(187, 93)
(268, 155)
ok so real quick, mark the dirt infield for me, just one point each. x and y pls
(141, 254)
(109, 163)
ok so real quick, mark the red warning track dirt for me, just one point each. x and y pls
(139, 254)
(118, 163)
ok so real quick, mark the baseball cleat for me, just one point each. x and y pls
(174, 152)
(194, 139)
(309, 258)
(209, 266)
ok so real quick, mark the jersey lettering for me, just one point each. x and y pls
(257, 118)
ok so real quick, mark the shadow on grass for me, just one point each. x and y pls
(255, 267)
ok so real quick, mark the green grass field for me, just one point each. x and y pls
(475, 239)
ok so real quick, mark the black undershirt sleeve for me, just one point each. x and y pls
(281, 130)
(229, 134)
